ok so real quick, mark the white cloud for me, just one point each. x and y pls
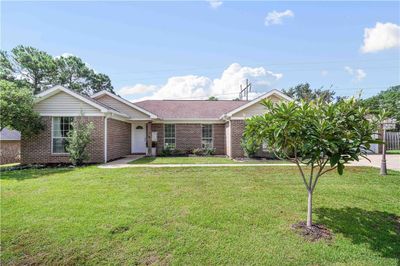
(201, 87)
(276, 17)
(136, 89)
(235, 74)
(215, 3)
(382, 36)
(358, 74)
(183, 87)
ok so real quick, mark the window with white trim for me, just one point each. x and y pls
(207, 136)
(60, 128)
(169, 136)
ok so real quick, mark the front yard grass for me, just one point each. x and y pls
(198, 160)
(196, 216)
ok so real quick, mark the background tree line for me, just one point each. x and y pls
(25, 71)
(388, 100)
(30, 67)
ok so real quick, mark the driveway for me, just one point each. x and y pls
(392, 161)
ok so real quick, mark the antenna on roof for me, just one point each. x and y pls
(244, 92)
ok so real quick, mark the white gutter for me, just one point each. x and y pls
(105, 138)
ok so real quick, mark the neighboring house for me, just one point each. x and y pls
(123, 127)
(9, 146)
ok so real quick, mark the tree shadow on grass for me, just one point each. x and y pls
(21, 175)
(379, 230)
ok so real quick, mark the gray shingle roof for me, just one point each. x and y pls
(189, 109)
(7, 134)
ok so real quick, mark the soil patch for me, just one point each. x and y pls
(315, 233)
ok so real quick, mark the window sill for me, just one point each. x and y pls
(60, 154)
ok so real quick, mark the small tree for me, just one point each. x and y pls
(77, 140)
(322, 136)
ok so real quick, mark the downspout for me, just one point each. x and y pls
(105, 138)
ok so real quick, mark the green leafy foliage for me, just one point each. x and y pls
(388, 100)
(34, 66)
(39, 70)
(204, 151)
(250, 146)
(16, 105)
(304, 92)
(167, 150)
(339, 132)
(78, 138)
(314, 133)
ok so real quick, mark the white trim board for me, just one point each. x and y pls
(257, 100)
(190, 122)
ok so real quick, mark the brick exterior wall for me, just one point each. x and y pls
(219, 139)
(188, 137)
(9, 151)
(159, 128)
(237, 128)
(37, 148)
(118, 139)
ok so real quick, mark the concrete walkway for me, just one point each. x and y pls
(192, 165)
(392, 161)
(122, 161)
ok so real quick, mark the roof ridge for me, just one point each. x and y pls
(193, 100)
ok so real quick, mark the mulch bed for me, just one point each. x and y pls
(315, 233)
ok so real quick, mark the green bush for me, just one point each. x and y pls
(167, 151)
(77, 140)
(177, 152)
(170, 151)
(249, 147)
(203, 151)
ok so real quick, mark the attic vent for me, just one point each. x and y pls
(139, 127)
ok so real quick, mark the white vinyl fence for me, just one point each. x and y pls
(392, 140)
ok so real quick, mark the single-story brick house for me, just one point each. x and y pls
(123, 127)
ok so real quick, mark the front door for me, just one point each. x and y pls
(138, 138)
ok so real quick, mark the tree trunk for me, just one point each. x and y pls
(309, 210)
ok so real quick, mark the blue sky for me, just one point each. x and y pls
(193, 50)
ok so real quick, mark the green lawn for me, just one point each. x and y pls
(393, 152)
(197, 160)
(196, 216)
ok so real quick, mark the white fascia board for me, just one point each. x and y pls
(98, 94)
(256, 100)
(140, 119)
(118, 116)
(71, 114)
